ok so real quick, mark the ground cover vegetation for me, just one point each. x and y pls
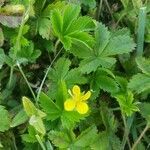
(74, 74)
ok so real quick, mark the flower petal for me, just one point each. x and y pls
(69, 105)
(76, 90)
(86, 96)
(82, 107)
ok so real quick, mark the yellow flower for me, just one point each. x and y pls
(77, 100)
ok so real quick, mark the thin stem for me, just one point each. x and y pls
(17, 45)
(99, 9)
(126, 132)
(40, 142)
(48, 69)
(26, 81)
(140, 137)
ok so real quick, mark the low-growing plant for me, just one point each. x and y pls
(67, 81)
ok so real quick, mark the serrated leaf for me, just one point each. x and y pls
(105, 82)
(59, 139)
(30, 137)
(70, 118)
(87, 137)
(4, 121)
(145, 111)
(44, 27)
(71, 13)
(102, 36)
(139, 83)
(119, 45)
(20, 118)
(102, 142)
(106, 47)
(52, 110)
(57, 21)
(65, 29)
(144, 65)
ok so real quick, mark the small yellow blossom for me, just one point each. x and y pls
(77, 100)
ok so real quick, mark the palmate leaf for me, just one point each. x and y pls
(139, 83)
(69, 27)
(102, 54)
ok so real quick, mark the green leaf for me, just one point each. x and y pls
(57, 21)
(102, 142)
(29, 107)
(2, 57)
(20, 118)
(119, 45)
(69, 28)
(90, 3)
(126, 103)
(145, 111)
(139, 83)
(70, 77)
(30, 137)
(60, 139)
(37, 123)
(52, 110)
(143, 64)
(108, 118)
(1, 38)
(102, 36)
(87, 137)
(4, 121)
(70, 118)
(44, 27)
(106, 46)
(29, 53)
(105, 82)
(71, 13)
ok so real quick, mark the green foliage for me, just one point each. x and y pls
(19, 119)
(145, 112)
(104, 50)
(4, 121)
(141, 81)
(52, 110)
(70, 28)
(51, 51)
(126, 103)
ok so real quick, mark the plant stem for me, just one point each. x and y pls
(17, 45)
(26, 81)
(40, 142)
(99, 10)
(140, 137)
(126, 132)
(48, 69)
(141, 31)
